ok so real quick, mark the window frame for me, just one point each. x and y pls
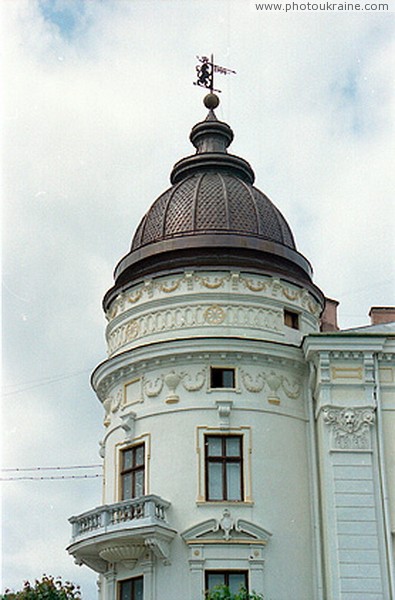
(292, 319)
(214, 368)
(133, 470)
(223, 459)
(132, 579)
(246, 433)
(225, 573)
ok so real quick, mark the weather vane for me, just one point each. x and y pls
(205, 73)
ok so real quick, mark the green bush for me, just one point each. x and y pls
(48, 588)
(222, 592)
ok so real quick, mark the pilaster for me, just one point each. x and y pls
(351, 500)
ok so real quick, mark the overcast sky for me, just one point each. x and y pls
(97, 108)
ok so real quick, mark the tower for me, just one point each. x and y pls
(216, 464)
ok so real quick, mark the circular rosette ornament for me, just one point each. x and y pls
(214, 315)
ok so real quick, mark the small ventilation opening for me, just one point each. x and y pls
(222, 378)
(291, 319)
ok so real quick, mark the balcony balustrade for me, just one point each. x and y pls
(121, 532)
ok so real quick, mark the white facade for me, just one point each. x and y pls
(305, 509)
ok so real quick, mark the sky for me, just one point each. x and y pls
(98, 104)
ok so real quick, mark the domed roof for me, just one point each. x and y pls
(212, 217)
(209, 202)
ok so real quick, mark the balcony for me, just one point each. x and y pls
(121, 533)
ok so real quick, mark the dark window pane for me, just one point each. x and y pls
(139, 484)
(138, 589)
(228, 378)
(127, 486)
(215, 485)
(127, 459)
(139, 452)
(291, 319)
(126, 590)
(232, 446)
(237, 581)
(233, 490)
(214, 446)
(222, 378)
(215, 579)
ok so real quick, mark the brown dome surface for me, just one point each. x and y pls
(211, 202)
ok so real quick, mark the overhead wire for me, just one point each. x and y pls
(46, 478)
(43, 382)
(26, 473)
(57, 468)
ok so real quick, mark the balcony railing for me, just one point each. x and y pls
(146, 510)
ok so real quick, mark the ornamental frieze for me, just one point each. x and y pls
(194, 316)
(190, 281)
(350, 427)
(191, 382)
(274, 381)
(194, 380)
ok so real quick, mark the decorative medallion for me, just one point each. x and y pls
(350, 427)
(214, 315)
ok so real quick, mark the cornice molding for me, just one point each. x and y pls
(138, 363)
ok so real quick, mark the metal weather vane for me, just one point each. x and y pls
(205, 72)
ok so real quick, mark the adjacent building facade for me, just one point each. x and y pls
(246, 440)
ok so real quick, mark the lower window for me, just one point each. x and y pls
(234, 580)
(131, 589)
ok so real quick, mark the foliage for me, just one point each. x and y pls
(222, 592)
(48, 588)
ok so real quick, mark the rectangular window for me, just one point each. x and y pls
(291, 319)
(222, 378)
(131, 589)
(224, 467)
(132, 472)
(234, 580)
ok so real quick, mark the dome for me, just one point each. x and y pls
(212, 217)
(210, 202)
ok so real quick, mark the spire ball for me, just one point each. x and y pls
(211, 101)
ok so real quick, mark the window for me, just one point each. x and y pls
(222, 378)
(132, 472)
(131, 589)
(235, 580)
(224, 466)
(291, 319)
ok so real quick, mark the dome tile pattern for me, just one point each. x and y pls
(211, 202)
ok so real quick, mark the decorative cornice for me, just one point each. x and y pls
(121, 368)
(271, 287)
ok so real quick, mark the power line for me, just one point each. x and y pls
(32, 478)
(58, 468)
(46, 379)
(45, 382)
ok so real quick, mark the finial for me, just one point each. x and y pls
(211, 101)
(205, 73)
